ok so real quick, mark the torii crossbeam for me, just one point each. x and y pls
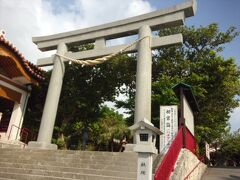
(142, 25)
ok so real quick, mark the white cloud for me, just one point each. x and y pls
(24, 19)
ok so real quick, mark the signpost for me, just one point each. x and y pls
(207, 149)
(168, 125)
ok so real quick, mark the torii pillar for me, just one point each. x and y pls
(51, 103)
(144, 76)
(142, 25)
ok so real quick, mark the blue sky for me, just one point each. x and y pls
(43, 17)
(224, 12)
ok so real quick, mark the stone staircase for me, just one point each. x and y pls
(34, 164)
(11, 144)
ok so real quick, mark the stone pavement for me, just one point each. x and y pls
(222, 174)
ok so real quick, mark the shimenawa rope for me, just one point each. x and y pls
(102, 59)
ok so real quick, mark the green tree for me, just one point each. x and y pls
(230, 148)
(35, 106)
(227, 149)
(215, 80)
(109, 126)
(85, 89)
(198, 62)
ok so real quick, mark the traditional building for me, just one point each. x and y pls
(17, 75)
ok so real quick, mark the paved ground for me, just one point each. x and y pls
(222, 174)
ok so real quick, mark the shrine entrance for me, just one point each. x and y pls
(142, 25)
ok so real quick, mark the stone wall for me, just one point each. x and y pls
(185, 163)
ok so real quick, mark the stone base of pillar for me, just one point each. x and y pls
(41, 145)
(129, 147)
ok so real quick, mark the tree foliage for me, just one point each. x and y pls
(35, 106)
(227, 149)
(215, 80)
(109, 127)
(85, 89)
(230, 148)
(198, 62)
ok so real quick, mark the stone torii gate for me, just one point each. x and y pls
(142, 25)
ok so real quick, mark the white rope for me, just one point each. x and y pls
(102, 59)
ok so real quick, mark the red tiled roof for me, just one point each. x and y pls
(32, 70)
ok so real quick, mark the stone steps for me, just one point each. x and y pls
(6, 145)
(37, 164)
(85, 174)
(82, 156)
(66, 152)
(101, 171)
(67, 160)
(1, 178)
(15, 176)
(114, 167)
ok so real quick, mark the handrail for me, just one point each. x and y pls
(200, 160)
(170, 158)
(23, 131)
(191, 143)
(161, 154)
